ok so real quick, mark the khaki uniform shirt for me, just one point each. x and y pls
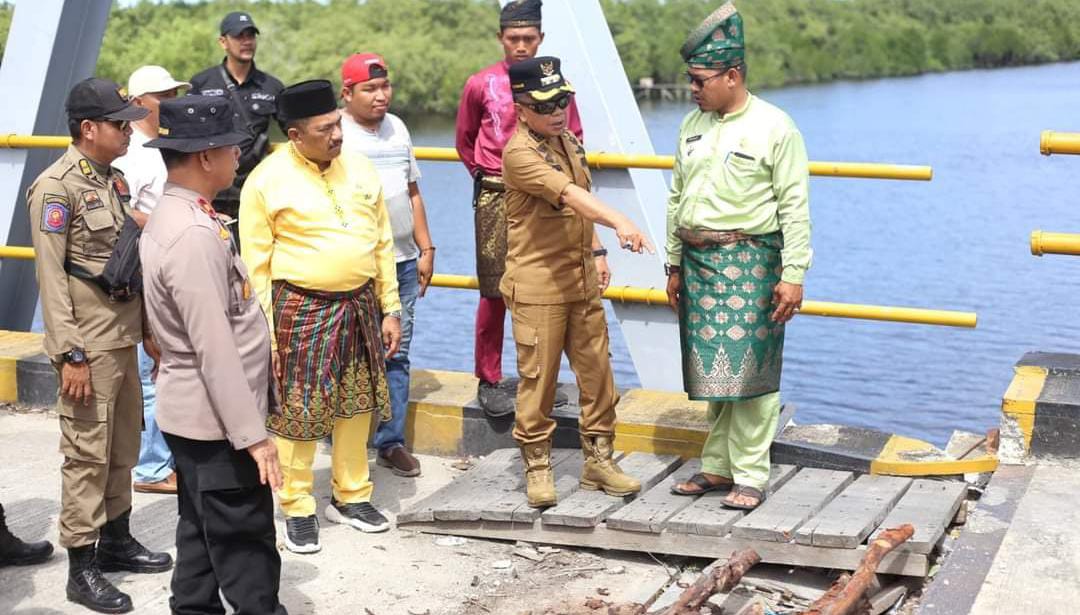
(549, 246)
(77, 209)
(214, 381)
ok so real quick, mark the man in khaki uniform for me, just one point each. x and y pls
(551, 283)
(77, 207)
(215, 388)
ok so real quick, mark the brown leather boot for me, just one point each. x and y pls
(539, 481)
(601, 472)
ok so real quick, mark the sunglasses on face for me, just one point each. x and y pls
(700, 82)
(549, 107)
(121, 125)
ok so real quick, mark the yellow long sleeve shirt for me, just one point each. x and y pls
(318, 229)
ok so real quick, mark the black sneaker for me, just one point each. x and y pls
(361, 515)
(496, 400)
(302, 534)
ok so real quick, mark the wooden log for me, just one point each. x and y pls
(721, 578)
(847, 595)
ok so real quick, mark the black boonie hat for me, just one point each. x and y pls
(306, 99)
(95, 99)
(520, 14)
(236, 22)
(540, 78)
(195, 124)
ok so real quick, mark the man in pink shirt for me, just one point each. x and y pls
(485, 122)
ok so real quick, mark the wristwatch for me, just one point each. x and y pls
(75, 356)
(395, 314)
(670, 269)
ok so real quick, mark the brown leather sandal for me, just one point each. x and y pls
(704, 485)
(736, 491)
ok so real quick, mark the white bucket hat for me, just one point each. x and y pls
(150, 79)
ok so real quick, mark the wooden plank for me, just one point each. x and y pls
(929, 505)
(791, 554)
(792, 505)
(476, 494)
(652, 508)
(514, 505)
(708, 517)
(424, 510)
(855, 513)
(588, 508)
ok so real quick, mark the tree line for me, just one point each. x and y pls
(433, 45)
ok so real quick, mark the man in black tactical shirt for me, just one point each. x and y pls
(252, 93)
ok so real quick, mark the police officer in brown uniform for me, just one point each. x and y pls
(214, 387)
(77, 208)
(551, 283)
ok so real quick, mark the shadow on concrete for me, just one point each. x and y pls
(31, 520)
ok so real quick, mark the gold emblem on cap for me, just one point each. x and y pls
(122, 92)
(548, 68)
(163, 131)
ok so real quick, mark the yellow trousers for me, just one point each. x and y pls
(350, 478)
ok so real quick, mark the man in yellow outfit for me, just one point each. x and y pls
(318, 245)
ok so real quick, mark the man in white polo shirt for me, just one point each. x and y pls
(368, 128)
(145, 173)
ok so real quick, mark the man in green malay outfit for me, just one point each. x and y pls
(738, 246)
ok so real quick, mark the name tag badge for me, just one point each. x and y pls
(246, 292)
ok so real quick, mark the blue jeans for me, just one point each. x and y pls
(155, 458)
(392, 432)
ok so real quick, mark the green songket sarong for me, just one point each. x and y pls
(731, 349)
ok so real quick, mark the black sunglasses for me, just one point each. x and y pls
(548, 107)
(120, 125)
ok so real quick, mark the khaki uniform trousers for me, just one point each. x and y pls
(541, 334)
(100, 444)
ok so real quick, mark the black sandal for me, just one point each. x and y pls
(703, 484)
(743, 490)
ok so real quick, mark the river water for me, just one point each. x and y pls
(958, 242)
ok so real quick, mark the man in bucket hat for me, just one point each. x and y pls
(215, 389)
(77, 208)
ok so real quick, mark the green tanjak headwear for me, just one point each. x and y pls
(718, 41)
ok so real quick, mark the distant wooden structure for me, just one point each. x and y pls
(647, 89)
(812, 517)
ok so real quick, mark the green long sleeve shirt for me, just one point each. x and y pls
(745, 171)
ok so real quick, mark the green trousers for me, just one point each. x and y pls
(739, 441)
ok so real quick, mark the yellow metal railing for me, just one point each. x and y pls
(599, 160)
(653, 296)
(1055, 243)
(1051, 142)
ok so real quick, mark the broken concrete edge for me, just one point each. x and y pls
(1040, 411)
(446, 419)
(956, 585)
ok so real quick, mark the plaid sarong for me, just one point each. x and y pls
(490, 222)
(731, 349)
(332, 358)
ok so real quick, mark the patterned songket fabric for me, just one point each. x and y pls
(490, 212)
(333, 363)
(731, 349)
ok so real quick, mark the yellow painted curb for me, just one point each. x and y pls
(1020, 399)
(15, 345)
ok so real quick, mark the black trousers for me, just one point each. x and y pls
(225, 539)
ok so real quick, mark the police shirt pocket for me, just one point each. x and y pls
(240, 293)
(99, 220)
(528, 350)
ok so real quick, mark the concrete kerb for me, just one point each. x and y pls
(1041, 408)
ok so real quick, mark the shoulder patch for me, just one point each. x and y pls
(121, 187)
(55, 215)
(91, 200)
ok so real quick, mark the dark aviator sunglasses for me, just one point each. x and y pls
(548, 107)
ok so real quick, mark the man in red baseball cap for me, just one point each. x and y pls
(370, 129)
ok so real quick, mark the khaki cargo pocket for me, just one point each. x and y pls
(528, 351)
(84, 440)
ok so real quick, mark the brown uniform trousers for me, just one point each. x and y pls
(552, 288)
(76, 211)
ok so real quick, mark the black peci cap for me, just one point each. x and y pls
(306, 99)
